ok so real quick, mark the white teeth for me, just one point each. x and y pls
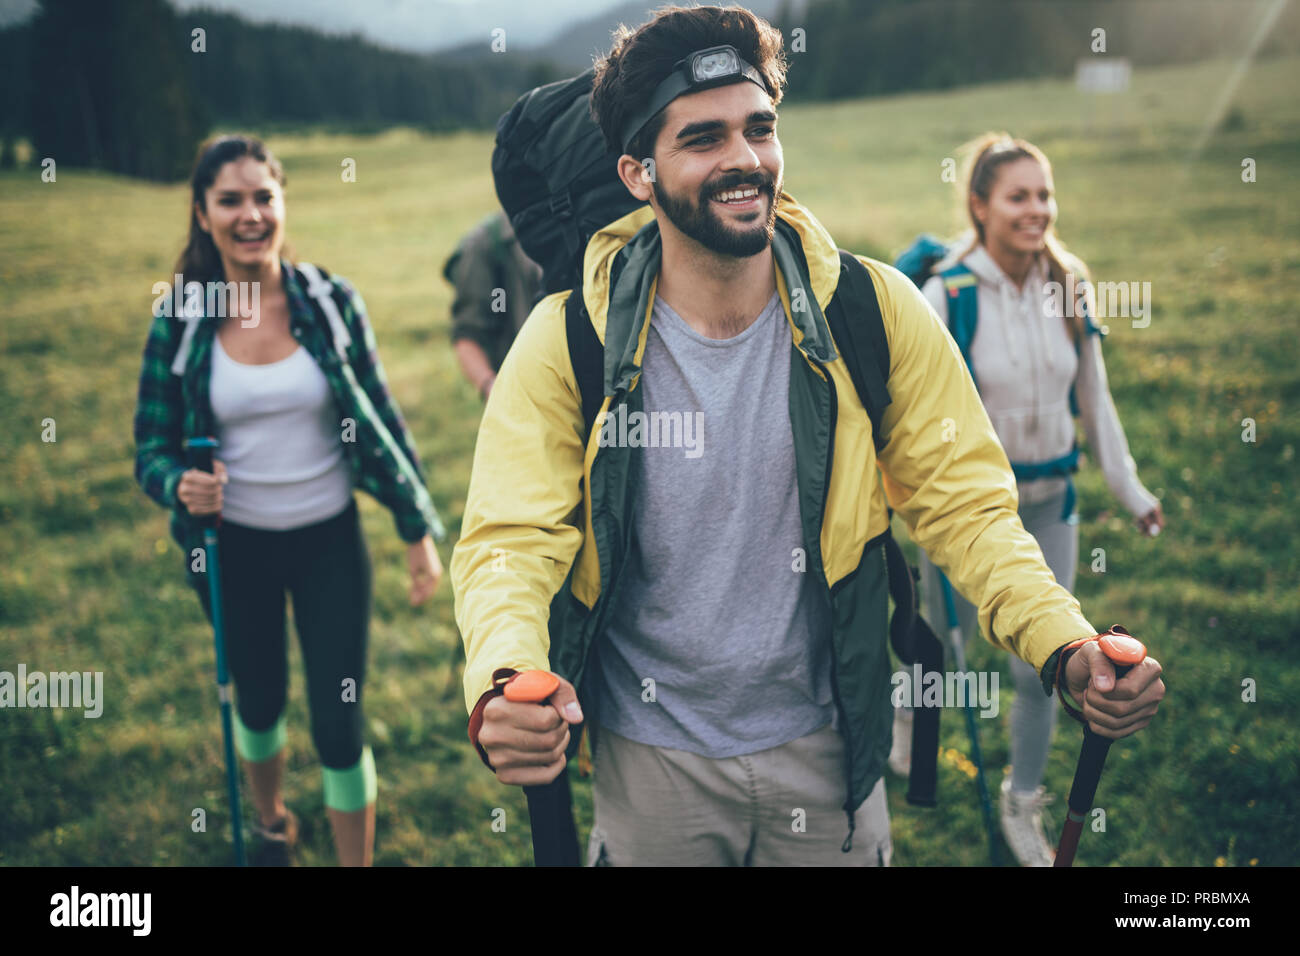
(731, 195)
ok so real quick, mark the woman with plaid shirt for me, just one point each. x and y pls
(297, 397)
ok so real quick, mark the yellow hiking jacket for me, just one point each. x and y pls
(537, 549)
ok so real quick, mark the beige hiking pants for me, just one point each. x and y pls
(656, 806)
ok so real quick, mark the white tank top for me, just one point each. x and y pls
(281, 442)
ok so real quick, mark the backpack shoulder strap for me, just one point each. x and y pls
(963, 309)
(191, 318)
(321, 292)
(861, 340)
(859, 332)
(586, 355)
(1089, 328)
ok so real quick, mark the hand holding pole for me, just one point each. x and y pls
(1125, 652)
(550, 806)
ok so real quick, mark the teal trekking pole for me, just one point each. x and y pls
(959, 650)
(199, 452)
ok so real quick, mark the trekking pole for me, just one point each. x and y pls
(550, 805)
(1125, 652)
(959, 651)
(199, 452)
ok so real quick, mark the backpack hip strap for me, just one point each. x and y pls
(1061, 467)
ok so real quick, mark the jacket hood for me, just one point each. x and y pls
(621, 268)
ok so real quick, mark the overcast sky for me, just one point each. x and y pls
(419, 25)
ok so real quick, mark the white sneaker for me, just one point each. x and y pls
(900, 754)
(1022, 824)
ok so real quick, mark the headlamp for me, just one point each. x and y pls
(701, 70)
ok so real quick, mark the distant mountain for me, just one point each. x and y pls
(574, 45)
(413, 26)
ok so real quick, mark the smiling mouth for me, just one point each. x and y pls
(739, 196)
(253, 239)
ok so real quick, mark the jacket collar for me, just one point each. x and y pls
(621, 270)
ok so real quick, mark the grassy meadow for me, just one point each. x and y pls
(90, 579)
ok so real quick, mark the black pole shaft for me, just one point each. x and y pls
(550, 814)
(1083, 789)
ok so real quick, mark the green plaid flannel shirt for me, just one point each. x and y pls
(172, 408)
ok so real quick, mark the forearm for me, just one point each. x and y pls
(521, 529)
(397, 427)
(502, 602)
(980, 544)
(474, 364)
(383, 407)
(158, 475)
(157, 425)
(948, 478)
(517, 543)
(1105, 434)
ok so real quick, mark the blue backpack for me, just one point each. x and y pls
(917, 262)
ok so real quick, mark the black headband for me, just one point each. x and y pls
(701, 70)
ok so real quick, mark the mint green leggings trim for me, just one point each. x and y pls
(259, 745)
(354, 788)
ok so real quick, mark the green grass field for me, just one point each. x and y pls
(90, 579)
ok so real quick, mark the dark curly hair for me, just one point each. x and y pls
(640, 60)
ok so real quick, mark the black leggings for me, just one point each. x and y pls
(326, 568)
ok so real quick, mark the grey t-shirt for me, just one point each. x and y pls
(711, 608)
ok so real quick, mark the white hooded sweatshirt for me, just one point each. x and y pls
(1024, 364)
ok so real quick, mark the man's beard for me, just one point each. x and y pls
(701, 221)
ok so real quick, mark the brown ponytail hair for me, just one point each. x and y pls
(984, 157)
(199, 260)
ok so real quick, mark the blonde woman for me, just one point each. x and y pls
(1035, 354)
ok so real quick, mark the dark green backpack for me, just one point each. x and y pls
(556, 178)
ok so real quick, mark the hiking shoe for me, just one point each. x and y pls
(900, 754)
(1022, 824)
(273, 845)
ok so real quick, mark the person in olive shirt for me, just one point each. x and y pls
(496, 285)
